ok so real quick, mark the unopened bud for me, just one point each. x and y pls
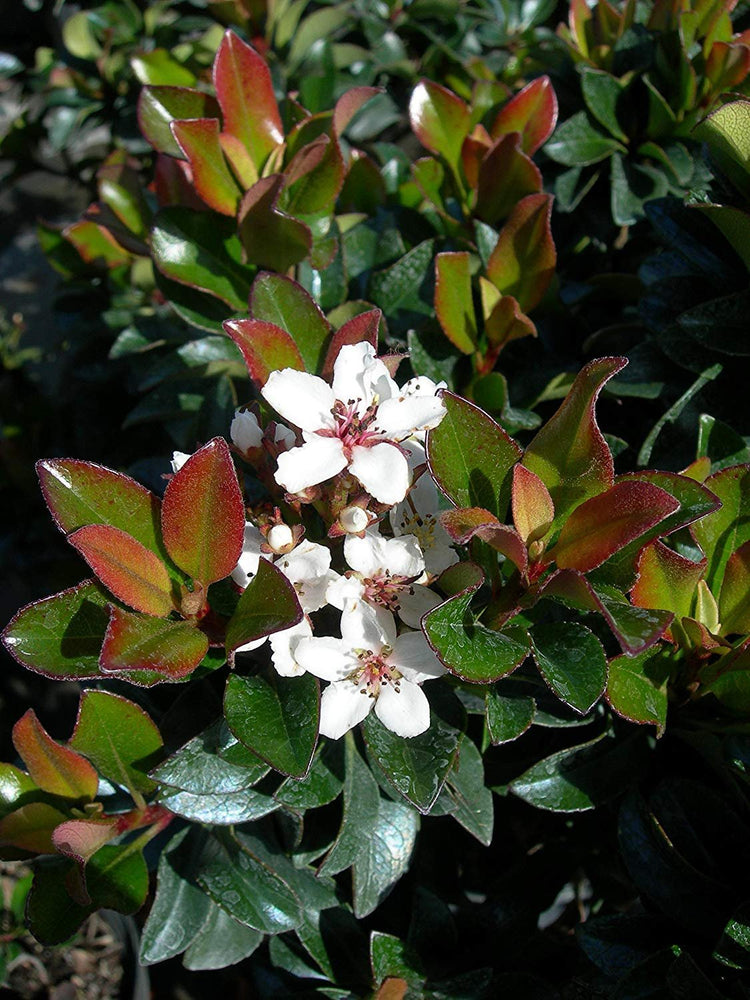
(280, 539)
(245, 430)
(353, 519)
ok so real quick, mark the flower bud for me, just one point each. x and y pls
(280, 539)
(245, 431)
(354, 519)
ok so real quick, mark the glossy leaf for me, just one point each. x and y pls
(277, 720)
(15, 787)
(523, 261)
(666, 579)
(440, 120)
(605, 523)
(80, 839)
(601, 91)
(322, 783)
(569, 453)
(278, 299)
(245, 92)
(221, 941)
(158, 107)
(268, 604)
(265, 347)
(576, 143)
(118, 737)
(384, 855)
(133, 573)
(61, 636)
(96, 245)
(571, 659)
(219, 808)
(200, 766)
(470, 800)
(30, 827)
(510, 712)
(361, 803)
(533, 510)
(637, 688)
(53, 767)
(453, 300)
(203, 514)
(506, 175)
(201, 251)
(470, 457)
(474, 522)
(734, 599)
(198, 138)
(532, 112)
(726, 529)
(169, 649)
(271, 238)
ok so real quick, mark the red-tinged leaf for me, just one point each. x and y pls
(158, 107)
(239, 160)
(265, 347)
(306, 159)
(80, 839)
(95, 245)
(271, 238)
(453, 300)
(359, 329)
(139, 642)
(506, 175)
(440, 120)
(133, 573)
(349, 104)
(198, 138)
(120, 190)
(532, 112)
(474, 522)
(106, 220)
(533, 510)
(30, 828)
(278, 299)
(724, 530)
(666, 580)
(173, 184)
(601, 526)
(80, 493)
(53, 767)
(315, 193)
(16, 787)
(245, 92)
(507, 322)
(60, 636)
(569, 453)
(734, 599)
(203, 515)
(579, 19)
(727, 65)
(523, 261)
(268, 604)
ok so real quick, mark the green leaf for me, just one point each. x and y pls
(398, 287)
(198, 139)
(465, 789)
(276, 719)
(471, 456)
(510, 712)
(360, 811)
(61, 636)
(523, 261)
(54, 768)
(601, 92)
(453, 300)
(440, 120)
(733, 948)
(720, 533)
(118, 737)
(322, 783)
(219, 808)
(278, 299)
(201, 767)
(582, 777)
(159, 68)
(202, 251)
(268, 604)
(384, 855)
(15, 786)
(418, 767)
(572, 661)
(151, 650)
(271, 238)
(247, 888)
(158, 107)
(203, 514)
(391, 958)
(734, 598)
(720, 324)
(577, 143)
(221, 941)
(637, 687)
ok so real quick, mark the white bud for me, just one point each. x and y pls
(178, 460)
(245, 430)
(280, 538)
(353, 519)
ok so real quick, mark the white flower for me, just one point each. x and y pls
(418, 515)
(245, 430)
(386, 572)
(178, 460)
(371, 666)
(355, 423)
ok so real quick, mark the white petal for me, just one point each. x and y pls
(364, 626)
(307, 566)
(253, 644)
(313, 462)
(421, 386)
(327, 658)
(403, 556)
(359, 376)
(303, 399)
(247, 565)
(245, 430)
(344, 589)
(413, 656)
(400, 417)
(382, 470)
(415, 602)
(284, 435)
(365, 554)
(284, 646)
(405, 712)
(178, 460)
(342, 707)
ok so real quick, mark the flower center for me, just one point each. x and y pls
(353, 429)
(374, 671)
(422, 526)
(386, 589)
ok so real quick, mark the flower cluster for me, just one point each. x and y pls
(347, 467)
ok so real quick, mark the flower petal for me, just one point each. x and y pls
(328, 658)
(344, 589)
(364, 626)
(415, 601)
(303, 399)
(314, 462)
(359, 375)
(403, 415)
(413, 657)
(247, 564)
(406, 711)
(245, 430)
(382, 470)
(342, 707)
(284, 646)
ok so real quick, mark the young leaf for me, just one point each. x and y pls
(198, 138)
(203, 515)
(453, 302)
(440, 120)
(158, 107)
(54, 768)
(268, 604)
(666, 580)
(280, 300)
(569, 453)
(118, 737)
(506, 175)
(265, 347)
(720, 533)
(470, 457)
(278, 720)
(30, 827)
(523, 261)
(363, 327)
(532, 112)
(533, 510)
(133, 573)
(571, 659)
(466, 523)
